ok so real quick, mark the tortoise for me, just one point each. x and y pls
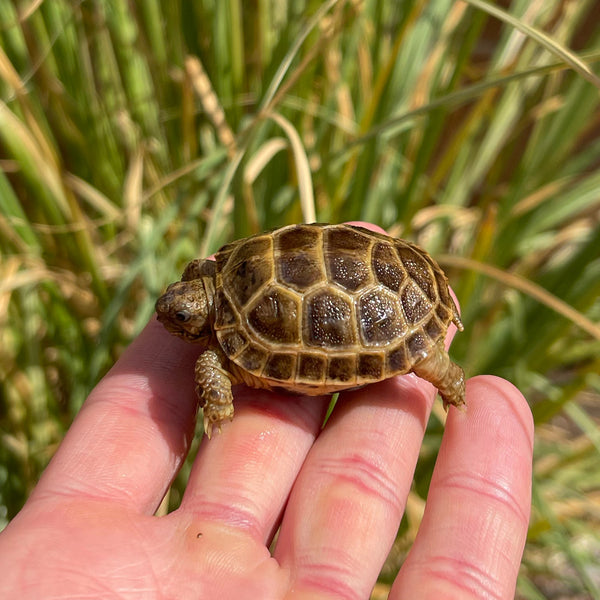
(313, 309)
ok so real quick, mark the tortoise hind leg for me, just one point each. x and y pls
(447, 376)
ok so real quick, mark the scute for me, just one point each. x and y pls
(444, 295)
(397, 360)
(275, 316)
(386, 266)
(249, 267)
(346, 254)
(415, 304)
(299, 271)
(371, 366)
(328, 320)
(298, 237)
(348, 272)
(380, 317)
(280, 366)
(226, 314)
(253, 358)
(443, 313)
(312, 367)
(343, 237)
(417, 344)
(342, 368)
(433, 328)
(417, 269)
(233, 342)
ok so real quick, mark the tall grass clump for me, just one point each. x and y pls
(135, 136)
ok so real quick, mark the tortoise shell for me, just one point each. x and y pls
(319, 308)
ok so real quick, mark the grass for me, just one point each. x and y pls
(136, 136)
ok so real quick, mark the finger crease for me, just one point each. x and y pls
(487, 488)
(227, 514)
(461, 574)
(332, 580)
(365, 475)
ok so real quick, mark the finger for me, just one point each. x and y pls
(348, 500)
(367, 226)
(471, 539)
(129, 439)
(242, 477)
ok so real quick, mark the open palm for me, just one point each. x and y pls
(335, 497)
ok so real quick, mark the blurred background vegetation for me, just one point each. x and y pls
(137, 135)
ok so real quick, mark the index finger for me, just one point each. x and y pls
(132, 433)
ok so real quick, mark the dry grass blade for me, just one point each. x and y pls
(21, 279)
(132, 190)
(181, 173)
(527, 287)
(255, 166)
(217, 221)
(305, 187)
(29, 10)
(262, 157)
(210, 102)
(27, 146)
(291, 53)
(10, 76)
(560, 51)
(95, 199)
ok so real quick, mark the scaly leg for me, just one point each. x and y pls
(447, 376)
(213, 386)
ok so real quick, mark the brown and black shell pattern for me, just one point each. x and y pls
(319, 308)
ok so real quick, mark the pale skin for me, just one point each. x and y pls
(336, 494)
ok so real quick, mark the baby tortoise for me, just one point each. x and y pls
(313, 309)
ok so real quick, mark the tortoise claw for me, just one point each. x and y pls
(208, 427)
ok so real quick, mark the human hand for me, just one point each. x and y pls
(337, 495)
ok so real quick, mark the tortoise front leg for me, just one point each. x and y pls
(447, 376)
(213, 386)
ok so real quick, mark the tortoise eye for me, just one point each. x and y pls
(183, 316)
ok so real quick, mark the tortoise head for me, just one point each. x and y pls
(185, 310)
